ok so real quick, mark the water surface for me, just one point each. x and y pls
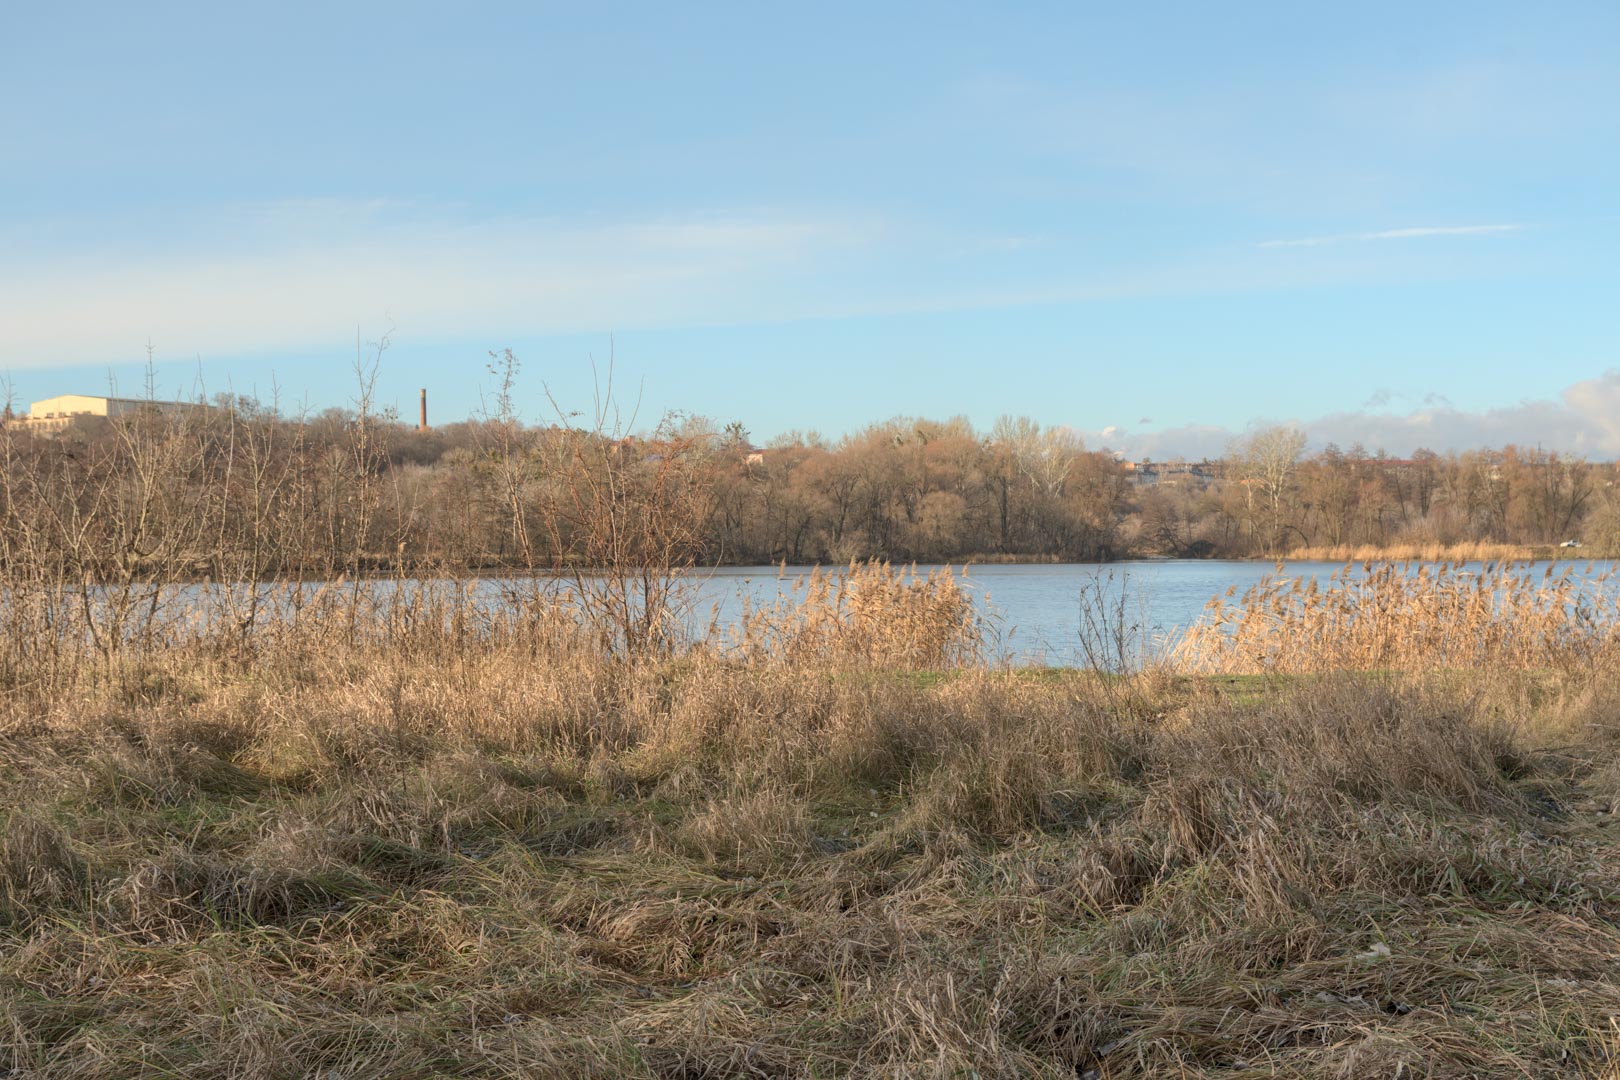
(1039, 614)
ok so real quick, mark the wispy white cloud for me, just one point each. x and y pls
(302, 274)
(1585, 419)
(1441, 230)
(291, 275)
(1413, 233)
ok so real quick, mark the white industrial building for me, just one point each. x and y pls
(56, 413)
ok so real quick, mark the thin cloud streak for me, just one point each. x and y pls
(291, 275)
(299, 274)
(1413, 233)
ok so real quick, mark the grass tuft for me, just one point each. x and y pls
(514, 857)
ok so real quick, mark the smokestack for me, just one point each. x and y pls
(421, 424)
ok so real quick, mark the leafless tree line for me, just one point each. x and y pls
(119, 531)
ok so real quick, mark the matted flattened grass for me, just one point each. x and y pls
(704, 868)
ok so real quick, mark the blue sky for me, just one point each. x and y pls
(1156, 223)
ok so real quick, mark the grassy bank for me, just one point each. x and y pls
(839, 847)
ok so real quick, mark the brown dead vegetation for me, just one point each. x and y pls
(514, 856)
(402, 831)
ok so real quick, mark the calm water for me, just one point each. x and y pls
(1035, 614)
(1038, 611)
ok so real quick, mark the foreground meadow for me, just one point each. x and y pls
(415, 844)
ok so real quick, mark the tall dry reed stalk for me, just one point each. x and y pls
(870, 614)
(1410, 617)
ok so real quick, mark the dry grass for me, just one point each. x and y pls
(447, 840)
(1410, 617)
(870, 614)
(1474, 551)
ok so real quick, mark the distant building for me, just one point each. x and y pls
(56, 413)
(1172, 472)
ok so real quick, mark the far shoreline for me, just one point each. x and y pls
(426, 572)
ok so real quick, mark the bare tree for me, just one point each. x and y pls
(625, 517)
(1045, 456)
(1266, 462)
